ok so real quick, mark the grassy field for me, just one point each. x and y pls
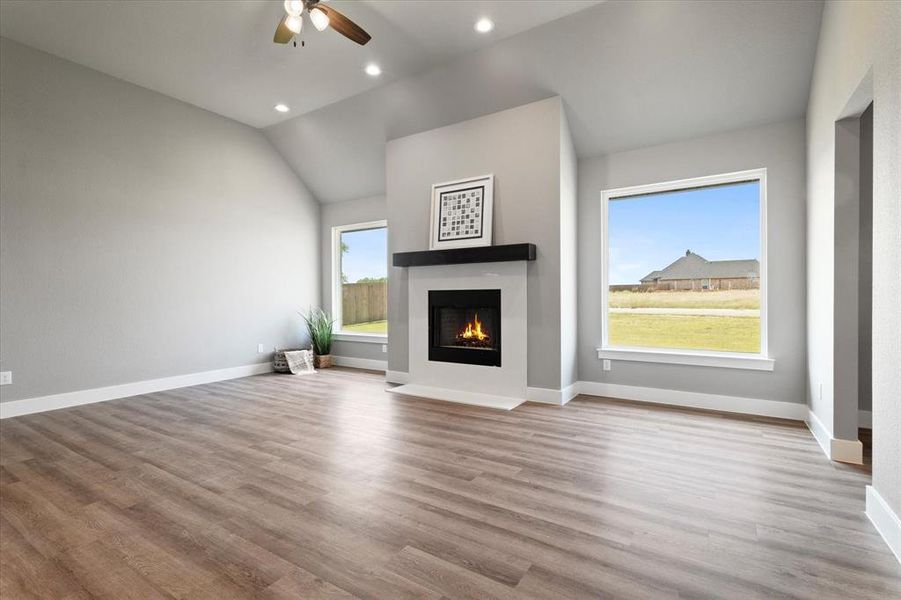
(726, 334)
(717, 299)
(371, 327)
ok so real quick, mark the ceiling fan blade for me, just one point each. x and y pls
(344, 26)
(283, 35)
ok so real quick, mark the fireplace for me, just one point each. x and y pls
(465, 326)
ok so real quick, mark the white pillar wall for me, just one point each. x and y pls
(508, 380)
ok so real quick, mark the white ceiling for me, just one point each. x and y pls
(219, 55)
(631, 74)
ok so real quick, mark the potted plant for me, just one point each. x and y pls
(319, 327)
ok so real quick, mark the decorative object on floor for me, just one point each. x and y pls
(462, 213)
(279, 362)
(296, 362)
(320, 329)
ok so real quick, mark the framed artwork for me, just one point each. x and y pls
(462, 213)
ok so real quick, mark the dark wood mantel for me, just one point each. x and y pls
(458, 256)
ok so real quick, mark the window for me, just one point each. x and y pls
(360, 281)
(684, 272)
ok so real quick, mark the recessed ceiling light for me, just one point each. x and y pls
(373, 70)
(282, 108)
(484, 25)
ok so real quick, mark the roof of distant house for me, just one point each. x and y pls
(695, 266)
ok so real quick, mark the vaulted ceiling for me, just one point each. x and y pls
(631, 74)
(219, 55)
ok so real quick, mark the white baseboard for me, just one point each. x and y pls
(820, 433)
(400, 377)
(38, 404)
(544, 395)
(551, 396)
(841, 450)
(734, 404)
(884, 520)
(865, 419)
(571, 391)
(846, 451)
(360, 363)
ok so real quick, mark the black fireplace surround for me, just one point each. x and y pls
(465, 326)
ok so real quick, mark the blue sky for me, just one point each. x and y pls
(367, 254)
(649, 232)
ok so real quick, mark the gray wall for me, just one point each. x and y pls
(140, 237)
(778, 147)
(521, 146)
(569, 275)
(865, 266)
(859, 43)
(348, 213)
(847, 282)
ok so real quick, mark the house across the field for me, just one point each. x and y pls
(694, 272)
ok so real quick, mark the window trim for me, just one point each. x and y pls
(737, 360)
(337, 230)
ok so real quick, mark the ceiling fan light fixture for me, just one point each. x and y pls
(373, 70)
(484, 25)
(294, 23)
(294, 7)
(323, 16)
(319, 19)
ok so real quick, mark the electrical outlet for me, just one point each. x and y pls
(384, 348)
(606, 364)
(260, 348)
(6, 377)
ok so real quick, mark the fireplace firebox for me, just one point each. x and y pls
(465, 326)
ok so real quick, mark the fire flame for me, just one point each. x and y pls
(474, 330)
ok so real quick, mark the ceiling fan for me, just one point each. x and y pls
(322, 16)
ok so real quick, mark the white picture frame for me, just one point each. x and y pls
(462, 213)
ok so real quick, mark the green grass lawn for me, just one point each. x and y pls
(371, 327)
(715, 299)
(726, 334)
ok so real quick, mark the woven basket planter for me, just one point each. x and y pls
(323, 361)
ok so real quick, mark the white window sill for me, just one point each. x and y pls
(366, 338)
(726, 360)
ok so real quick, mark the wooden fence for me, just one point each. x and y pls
(364, 302)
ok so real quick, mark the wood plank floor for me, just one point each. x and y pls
(327, 486)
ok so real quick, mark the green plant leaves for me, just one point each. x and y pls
(320, 328)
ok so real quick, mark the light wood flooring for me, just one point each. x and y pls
(327, 486)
